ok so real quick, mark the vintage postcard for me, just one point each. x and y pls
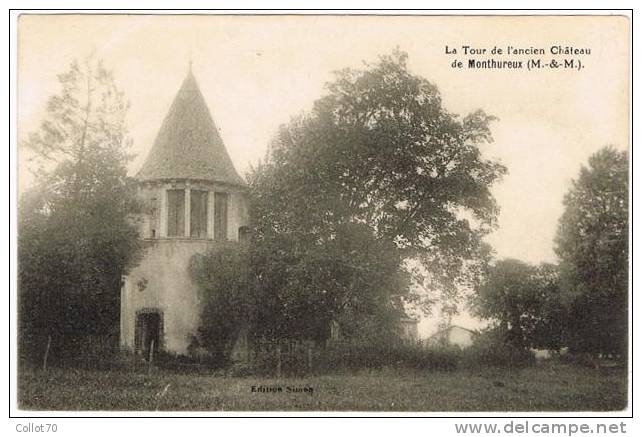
(286, 214)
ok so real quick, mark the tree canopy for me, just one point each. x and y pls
(592, 245)
(377, 172)
(525, 302)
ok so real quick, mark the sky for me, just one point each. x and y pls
(256, 72)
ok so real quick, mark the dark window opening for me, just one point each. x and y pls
(153, 216)
(198, 214)
(175, 213)
(244, 234)
(149, 329)
(220, 216)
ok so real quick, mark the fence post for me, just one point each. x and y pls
(389, 355)
(44, 361)
(278, 361)
(151, 357)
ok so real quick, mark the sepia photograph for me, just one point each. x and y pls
(377, 213)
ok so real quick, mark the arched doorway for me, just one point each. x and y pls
(244, 234)
(149, 331)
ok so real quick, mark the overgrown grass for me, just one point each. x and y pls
(549, 387)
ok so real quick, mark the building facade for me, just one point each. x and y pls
(409, 329)
(453, 336)
(193, 199)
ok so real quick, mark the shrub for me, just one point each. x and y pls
(224, 279)
(87, 352)
(374, 355)
(490, 350)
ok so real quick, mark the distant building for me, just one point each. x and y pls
(193, 199)
(453, 336)
(409, 328)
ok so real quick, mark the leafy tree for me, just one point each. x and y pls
(352, 279)
(378, 162)
(74, 239)
(592, 244)
(227, 287)
(548, 327)
(525, 301)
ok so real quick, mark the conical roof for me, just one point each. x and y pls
(188, 145)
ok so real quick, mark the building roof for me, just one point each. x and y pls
(188, 145)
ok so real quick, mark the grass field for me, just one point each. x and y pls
(551, 387)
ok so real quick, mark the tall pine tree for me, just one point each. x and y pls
(74, 239)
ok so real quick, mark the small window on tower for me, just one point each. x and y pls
(220, 216)
(153, 217)
(175, 213)
(198, 214)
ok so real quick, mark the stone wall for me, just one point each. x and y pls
(162, 282)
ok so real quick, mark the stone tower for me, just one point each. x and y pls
(193, 199)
